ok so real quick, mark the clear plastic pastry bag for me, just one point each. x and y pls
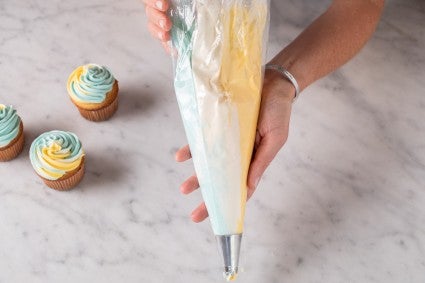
(218, 51)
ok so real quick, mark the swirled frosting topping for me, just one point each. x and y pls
(9, 124)
(90, 83)
(55, 153)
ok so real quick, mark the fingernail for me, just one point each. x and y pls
(160, 35)
(162, 23)
(159, 5)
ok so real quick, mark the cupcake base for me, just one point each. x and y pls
(67, 181)
(102, 114)
(105, 110)
(14, 148)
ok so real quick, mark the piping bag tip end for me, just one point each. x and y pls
(229, 246)
(230, 273)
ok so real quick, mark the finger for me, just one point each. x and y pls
(166, 47)
(158, 18)
(267, 149)
(200, 213)
(183, 154)
(189, 185)
(158, 33)
(161, 5)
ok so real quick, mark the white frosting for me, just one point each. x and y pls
(217, 158)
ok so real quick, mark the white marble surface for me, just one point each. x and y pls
(343, 202)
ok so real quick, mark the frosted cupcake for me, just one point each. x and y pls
(94, 90)
(11, 133)
(58, 158)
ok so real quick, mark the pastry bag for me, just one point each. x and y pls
(218, 50)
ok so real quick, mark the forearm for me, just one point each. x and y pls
(331, 40)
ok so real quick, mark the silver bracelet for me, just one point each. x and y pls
(284, 72)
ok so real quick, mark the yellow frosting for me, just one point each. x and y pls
(231, 277)
(241, 78)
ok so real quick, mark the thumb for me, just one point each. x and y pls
(267, 149)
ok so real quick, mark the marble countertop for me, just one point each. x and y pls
(344, 201)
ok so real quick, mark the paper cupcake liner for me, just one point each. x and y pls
(102, 114)
(102, 111)
(68, 181)
(15, 147)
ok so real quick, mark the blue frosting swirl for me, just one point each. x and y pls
(9, 124)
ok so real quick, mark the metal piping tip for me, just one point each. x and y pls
(230, 246)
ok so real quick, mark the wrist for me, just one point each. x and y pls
(274, 82)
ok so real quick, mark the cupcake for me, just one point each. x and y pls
(58, 158)
(94, 90)
(11, 133)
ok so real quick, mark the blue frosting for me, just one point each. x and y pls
(9, 124)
